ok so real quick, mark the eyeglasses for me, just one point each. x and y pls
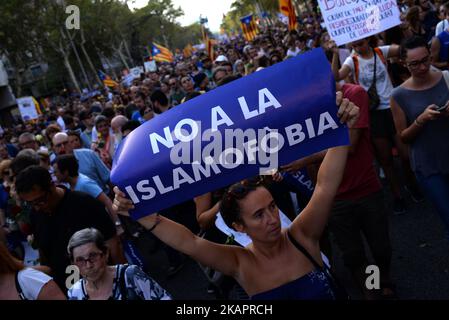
(39, 201)
(416, 64)
(59, 145)
(92, 258)
(172, 84)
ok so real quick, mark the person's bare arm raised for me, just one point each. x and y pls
(223, 258)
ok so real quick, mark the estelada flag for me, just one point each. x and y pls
(107, 81)
(287, 9)
(249, 27)
(161, 54)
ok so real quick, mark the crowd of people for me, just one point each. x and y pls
(393, 92)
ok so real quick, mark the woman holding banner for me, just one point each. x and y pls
(279, 264)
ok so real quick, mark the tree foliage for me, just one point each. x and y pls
(34, 31)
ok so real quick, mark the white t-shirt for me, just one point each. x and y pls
(441, 26)
(31, 282)
(291, 53)
(383, 82)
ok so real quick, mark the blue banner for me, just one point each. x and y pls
(299, 182)
(252, 125)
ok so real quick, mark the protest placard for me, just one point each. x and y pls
(150, 66)
(135, 72)
(351, 20)
(254, 124)
(27, 108)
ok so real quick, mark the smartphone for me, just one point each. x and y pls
(442, 108)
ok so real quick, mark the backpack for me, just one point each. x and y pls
(374, 99)
(355, 59)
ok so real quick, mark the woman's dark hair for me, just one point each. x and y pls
(230, 203)
(412, 16)
(412, 43)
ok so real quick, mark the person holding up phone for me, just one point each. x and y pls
(422, 124)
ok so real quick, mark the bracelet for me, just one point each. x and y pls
(158, 220)
(419, 124)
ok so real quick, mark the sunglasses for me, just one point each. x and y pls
(242, 188)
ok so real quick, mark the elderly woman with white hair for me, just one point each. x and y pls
(100, 281)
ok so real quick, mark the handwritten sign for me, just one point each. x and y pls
(351, 20)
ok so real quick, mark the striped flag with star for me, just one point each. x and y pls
(287, 9)
(107, 81)
(249, 27)
(161, 54)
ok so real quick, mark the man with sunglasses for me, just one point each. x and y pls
(57, 214)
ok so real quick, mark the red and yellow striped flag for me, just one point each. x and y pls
(161, 54)
(249, 27)
(187, 51)
(287, 9)
(209, 44)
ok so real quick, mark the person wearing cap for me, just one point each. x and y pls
(220, 59)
